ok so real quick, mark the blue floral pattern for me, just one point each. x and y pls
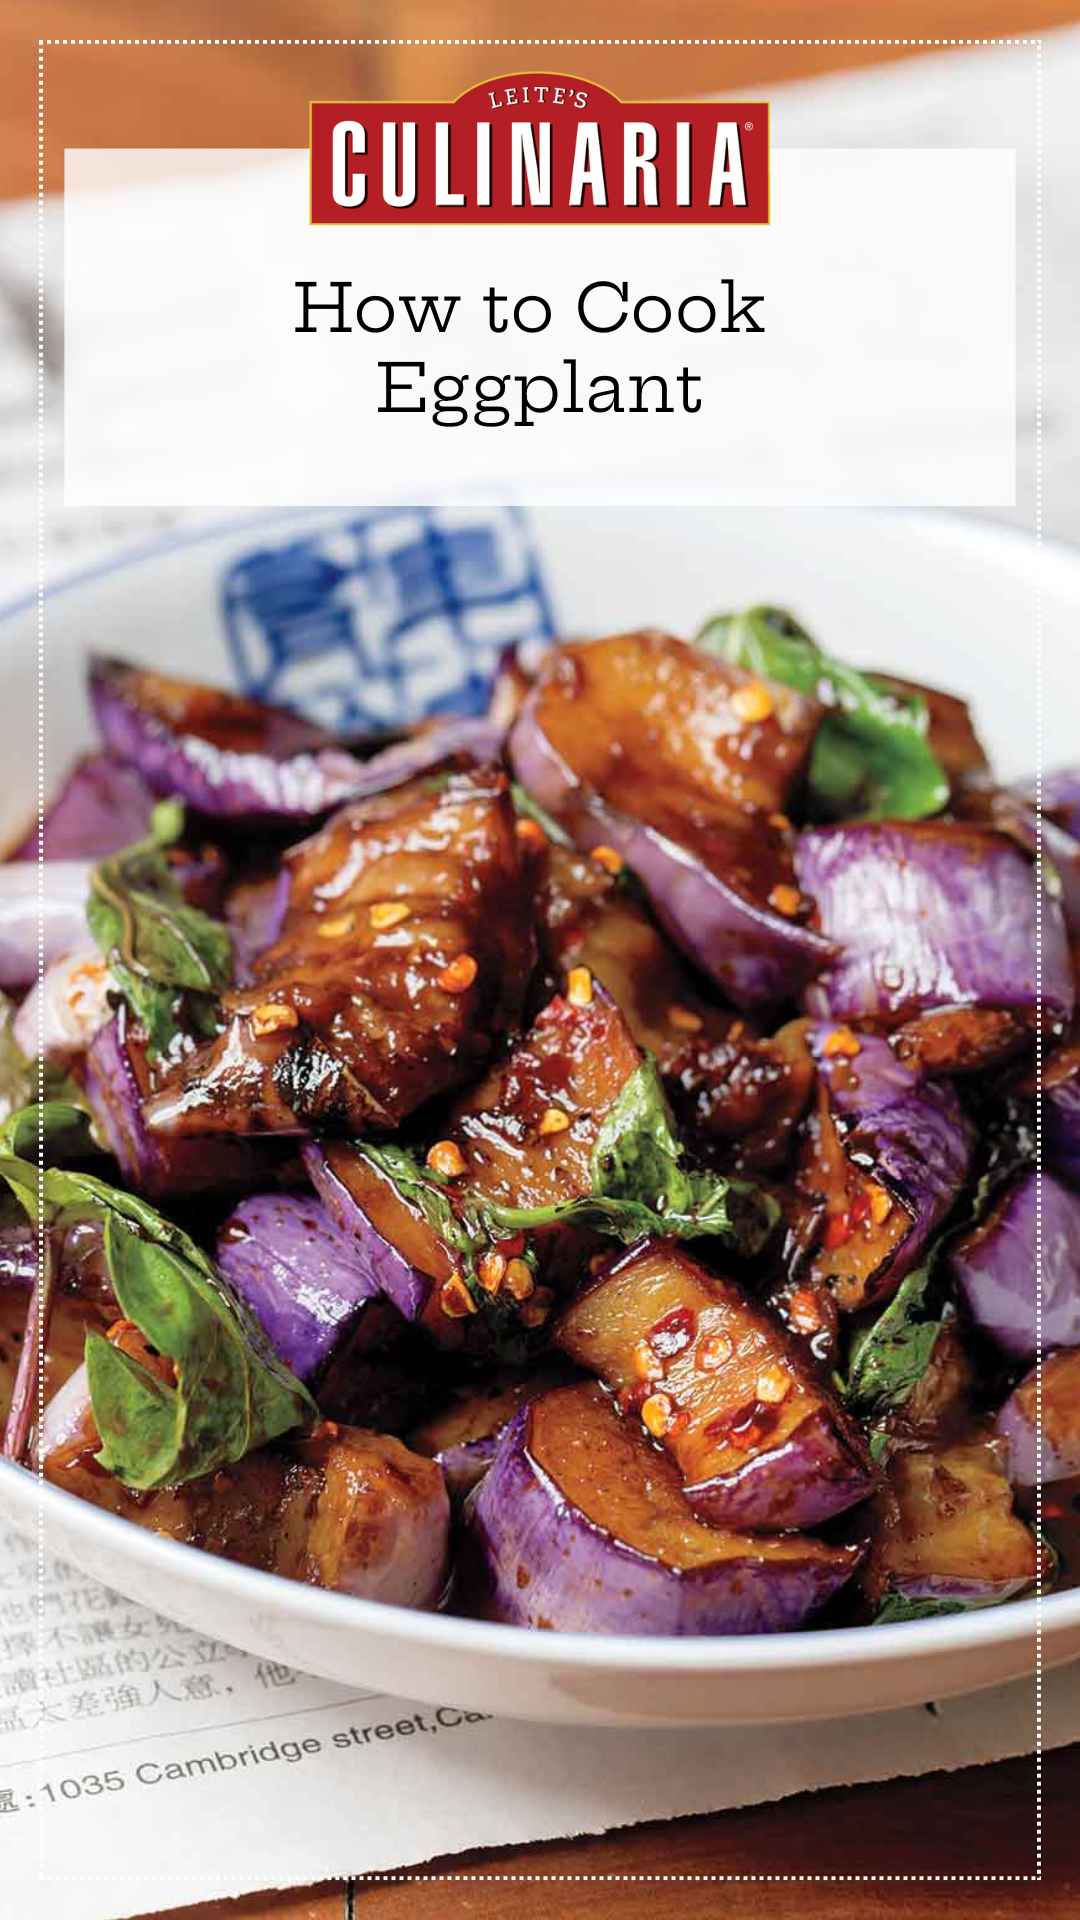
(384, 618)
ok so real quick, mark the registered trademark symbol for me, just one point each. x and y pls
(748, 126)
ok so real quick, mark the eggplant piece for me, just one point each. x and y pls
(1013, 812)
(760, 1441)
(305, 1281)
(929, 915)
(945, 1531)
(463, 1436)
(1018, 1422)
(1061, 1114)
(574, 1062)
(229, 757)
(403, 956)
(50, 908)
(888, 1152)
(254, 912)
(682, 765)
(117, 1083)
(78, 1255)
(581, 1526)
(65, 1008)
(1000, 1273)
(727, 1084)
(344, 1509)
(102, 806)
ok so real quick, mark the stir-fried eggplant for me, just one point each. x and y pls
(341, 1508)
(888, 1152)
(729, 1085)
(581, 1525)
(760, 1441)
(404, 953)
(945, 1533)
(683, 765)
(485, 1058)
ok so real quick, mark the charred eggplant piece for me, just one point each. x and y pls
(118, 1086)
(758, 1439)
(889, 1153)
(946, 1535)
(345, 1509)
(580, 1525)
(929, 915)
(728, 1084)
(404, 953)
(1019, 1420)
(682, 765)
(524, 1137)
(229, 757)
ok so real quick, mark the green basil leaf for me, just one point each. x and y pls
(231, 1392)
(888, 1358)
(896, 1609)
(55, 1130)
(168, 959)
(871, 757)
(527, 808)
(639, 1186)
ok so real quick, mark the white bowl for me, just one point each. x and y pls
(378, 619)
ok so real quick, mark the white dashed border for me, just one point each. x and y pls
(1033, 41)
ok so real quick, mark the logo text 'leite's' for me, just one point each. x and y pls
(542, 148)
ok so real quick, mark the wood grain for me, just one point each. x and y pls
(980, 1820)
(258, 96)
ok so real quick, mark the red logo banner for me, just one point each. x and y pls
(543, 148)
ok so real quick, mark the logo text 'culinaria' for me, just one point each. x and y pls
(539, 147)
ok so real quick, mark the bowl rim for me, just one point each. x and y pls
(25, 1497)
(979, 534)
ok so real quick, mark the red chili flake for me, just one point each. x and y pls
(631, 1399)
(1052, 1510)
(508, 1248)
(678, 1423)
(860, 1209)
(837, 1231)
(673, 1333)
(744, 1427)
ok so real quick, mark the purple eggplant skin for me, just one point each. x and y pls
(930, 914)
(464, 1466)
(1060, 797)
(114, 1082)
(254, 912)
(756, 957)
(102, 806)
(407, 1287)
(291, 777)
(916, 1131)
(1061, 1121)
(944, 1528)
(819, 1472)
(303, 1279)
(535, 1558)
(58, 912)
(995, 1268)
(1018, 1422)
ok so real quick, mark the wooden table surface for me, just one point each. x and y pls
(980, 1820)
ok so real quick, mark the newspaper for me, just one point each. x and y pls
(145, 1766)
